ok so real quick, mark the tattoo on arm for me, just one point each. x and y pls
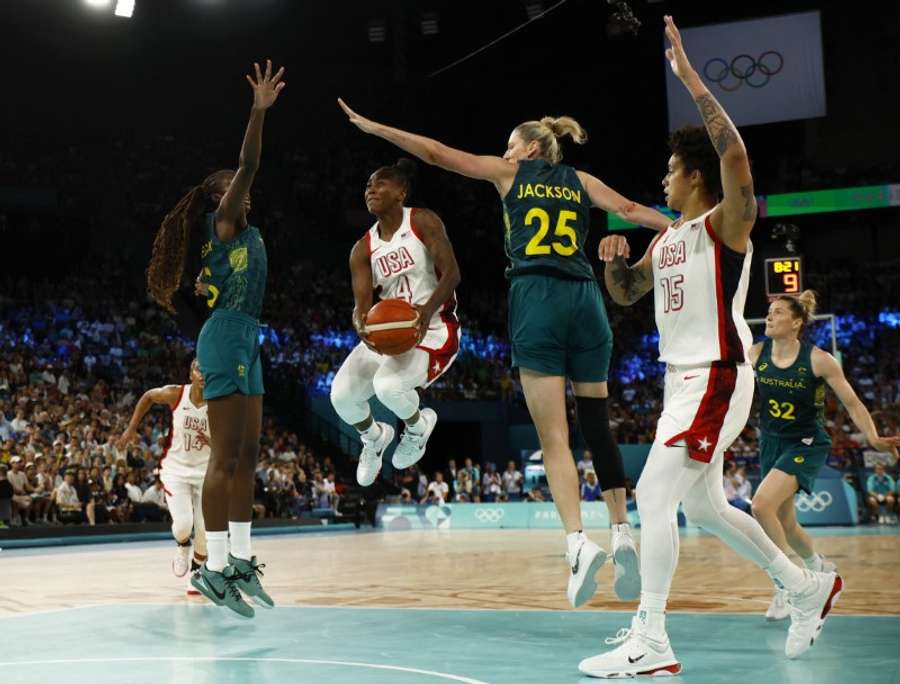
(749, 202)
(630, 282)
(721, 130)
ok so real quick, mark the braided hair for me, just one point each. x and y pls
(180, 234)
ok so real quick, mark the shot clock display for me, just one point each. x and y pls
(784, 276)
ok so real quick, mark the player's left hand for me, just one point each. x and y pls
(203, 440)
(361, 122)
(676, 55)
(423, 321)
(266, 87)
(201, 289)
(886, 444)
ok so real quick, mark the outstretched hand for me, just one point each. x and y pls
(676, 55)
(266, 87)
(887, 444)
(361, 122)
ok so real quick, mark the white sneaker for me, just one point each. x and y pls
(637, 655)
(182, 561)
(809, 610)
(191, 591)
(627, 582)
(584, 563)
(370, 457)
(778, 609)
(412, 446)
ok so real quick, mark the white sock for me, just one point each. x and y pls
(574, 540)
(372, 433)
(417, 428)
(786, 574)
(652, 613)
(621, 528)
(240, 539)
(217, 545)
(815, 563)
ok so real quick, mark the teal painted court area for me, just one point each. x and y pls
(200, 644)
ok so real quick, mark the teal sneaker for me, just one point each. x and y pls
(222, 589)
(248, 574)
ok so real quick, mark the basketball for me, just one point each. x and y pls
(391, 326)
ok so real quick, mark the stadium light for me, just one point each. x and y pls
(97, 3)
(377, 31)
(430, 24)
(124, 8)
(533, 9)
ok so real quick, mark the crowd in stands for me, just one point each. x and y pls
(79, 347)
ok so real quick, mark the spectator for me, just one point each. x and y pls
(67, 502)
(590, 488)
(6, 495)
(512, 482)
(153, 503)
(438, 490)
(21, 500)
(732, 486)
(463, 486)
(586, 463)
(880, 488)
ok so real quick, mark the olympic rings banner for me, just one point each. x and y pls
(832, 502)
(473, 516)
(761, 70)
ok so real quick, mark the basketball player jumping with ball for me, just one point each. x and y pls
(406, 255)
(699, 269)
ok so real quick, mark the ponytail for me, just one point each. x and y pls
(548, 131)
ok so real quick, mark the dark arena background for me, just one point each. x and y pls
(453, 569)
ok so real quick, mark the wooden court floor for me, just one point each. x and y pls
(496, 570)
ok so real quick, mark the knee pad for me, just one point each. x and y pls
(593, 423)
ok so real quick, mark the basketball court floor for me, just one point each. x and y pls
(423, 606)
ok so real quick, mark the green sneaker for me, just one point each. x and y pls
(248, 574)
(222, 589)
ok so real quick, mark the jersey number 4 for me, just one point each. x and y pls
(536, 246)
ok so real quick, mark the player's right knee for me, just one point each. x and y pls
(181, 530)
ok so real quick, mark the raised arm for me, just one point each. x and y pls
(266, 88)
(483, 167)
(826, 366)
(604, 197)
(168, 396)
(363, 290)
(733, 218)
(431, 231)
(626, 284)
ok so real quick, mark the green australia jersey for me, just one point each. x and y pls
(792, 400)
(235, 271)
(547, 217)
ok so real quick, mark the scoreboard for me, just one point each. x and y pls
(784, 276)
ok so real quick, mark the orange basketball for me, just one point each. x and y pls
(391, 326)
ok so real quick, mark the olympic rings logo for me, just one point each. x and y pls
(756, 73)
(489, 514)
(817, 502)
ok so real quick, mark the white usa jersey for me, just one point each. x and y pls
(700, 287)
(403, 269)
(186, 452)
